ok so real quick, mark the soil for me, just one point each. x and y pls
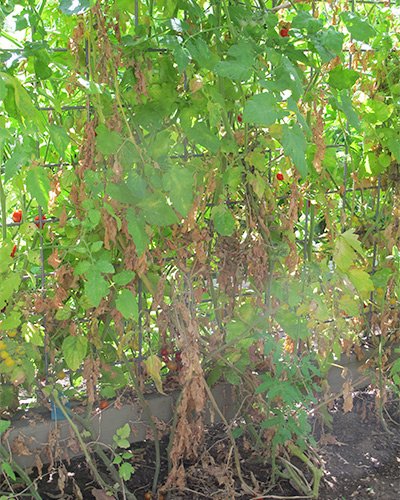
(360, 459)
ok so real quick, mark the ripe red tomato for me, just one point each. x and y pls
(279, 176)
(17, 216)
(104, 404)
(178, 356)
(13, 251)
(37, 219)
(164, 352)
(239, 118)
(284, 32)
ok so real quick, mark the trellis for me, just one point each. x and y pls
(304, 241)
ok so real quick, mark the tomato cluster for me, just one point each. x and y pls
(172, 358)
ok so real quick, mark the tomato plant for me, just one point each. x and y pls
(152, 146)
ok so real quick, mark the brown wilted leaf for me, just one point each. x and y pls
(358, 351)
(330, 439)
(39, 465)
(347, 396)
(101, 495)
(63, 218)
(19, 447)
(54, 259)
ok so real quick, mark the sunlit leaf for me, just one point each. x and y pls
(153, 366)
(60, 139)
(38, 185)
(74, 349)
(360, 29)
(71, 7)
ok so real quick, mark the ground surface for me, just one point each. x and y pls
(361, 460)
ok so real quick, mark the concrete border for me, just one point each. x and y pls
(34, 439)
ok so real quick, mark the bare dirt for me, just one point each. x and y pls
(360, 458)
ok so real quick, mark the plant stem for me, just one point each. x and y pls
(244, 485)
(3, 206)
(149, 416)
(87, 424)
(23, 475)
(74, 427)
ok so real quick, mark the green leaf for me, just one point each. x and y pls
(202, 135)
(3, 88)
(13, 165)
(96, 287)
(96, 246)
(24, 102)
(71, 7)
(179, 182)
(343, 254)
(136, 228)
(332, 39)
(123, 278)
(7, 469)
(352, 240)
(395, 368)
(126, 470)
(377, 112)
(94, 216)
(342, 78)
(295, 146)
(108, 142)
(262, 109)
(201, 53)
(74, 349)
(349, 305)
(119, 192)
(4, 425)
(33, 334)
(181, 57)
(292, 325)
(126, 304)
(60, 139)
(304, 20)
(38, 185)
(156, 210)
(224, 221)
(82, 267)
(358, 28)
(136, 184)
(236, 433)
(104, 266)
(394, 147)
(361, 281)
(344, 104)
(124, 432)
(235, 70)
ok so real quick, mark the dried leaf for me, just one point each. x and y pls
(153, 367)
(63, 218)
(347, 396)
(101, 495)
(19, 447)
(54, 259)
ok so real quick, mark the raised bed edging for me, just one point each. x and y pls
(34, 434)
(35, 438)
